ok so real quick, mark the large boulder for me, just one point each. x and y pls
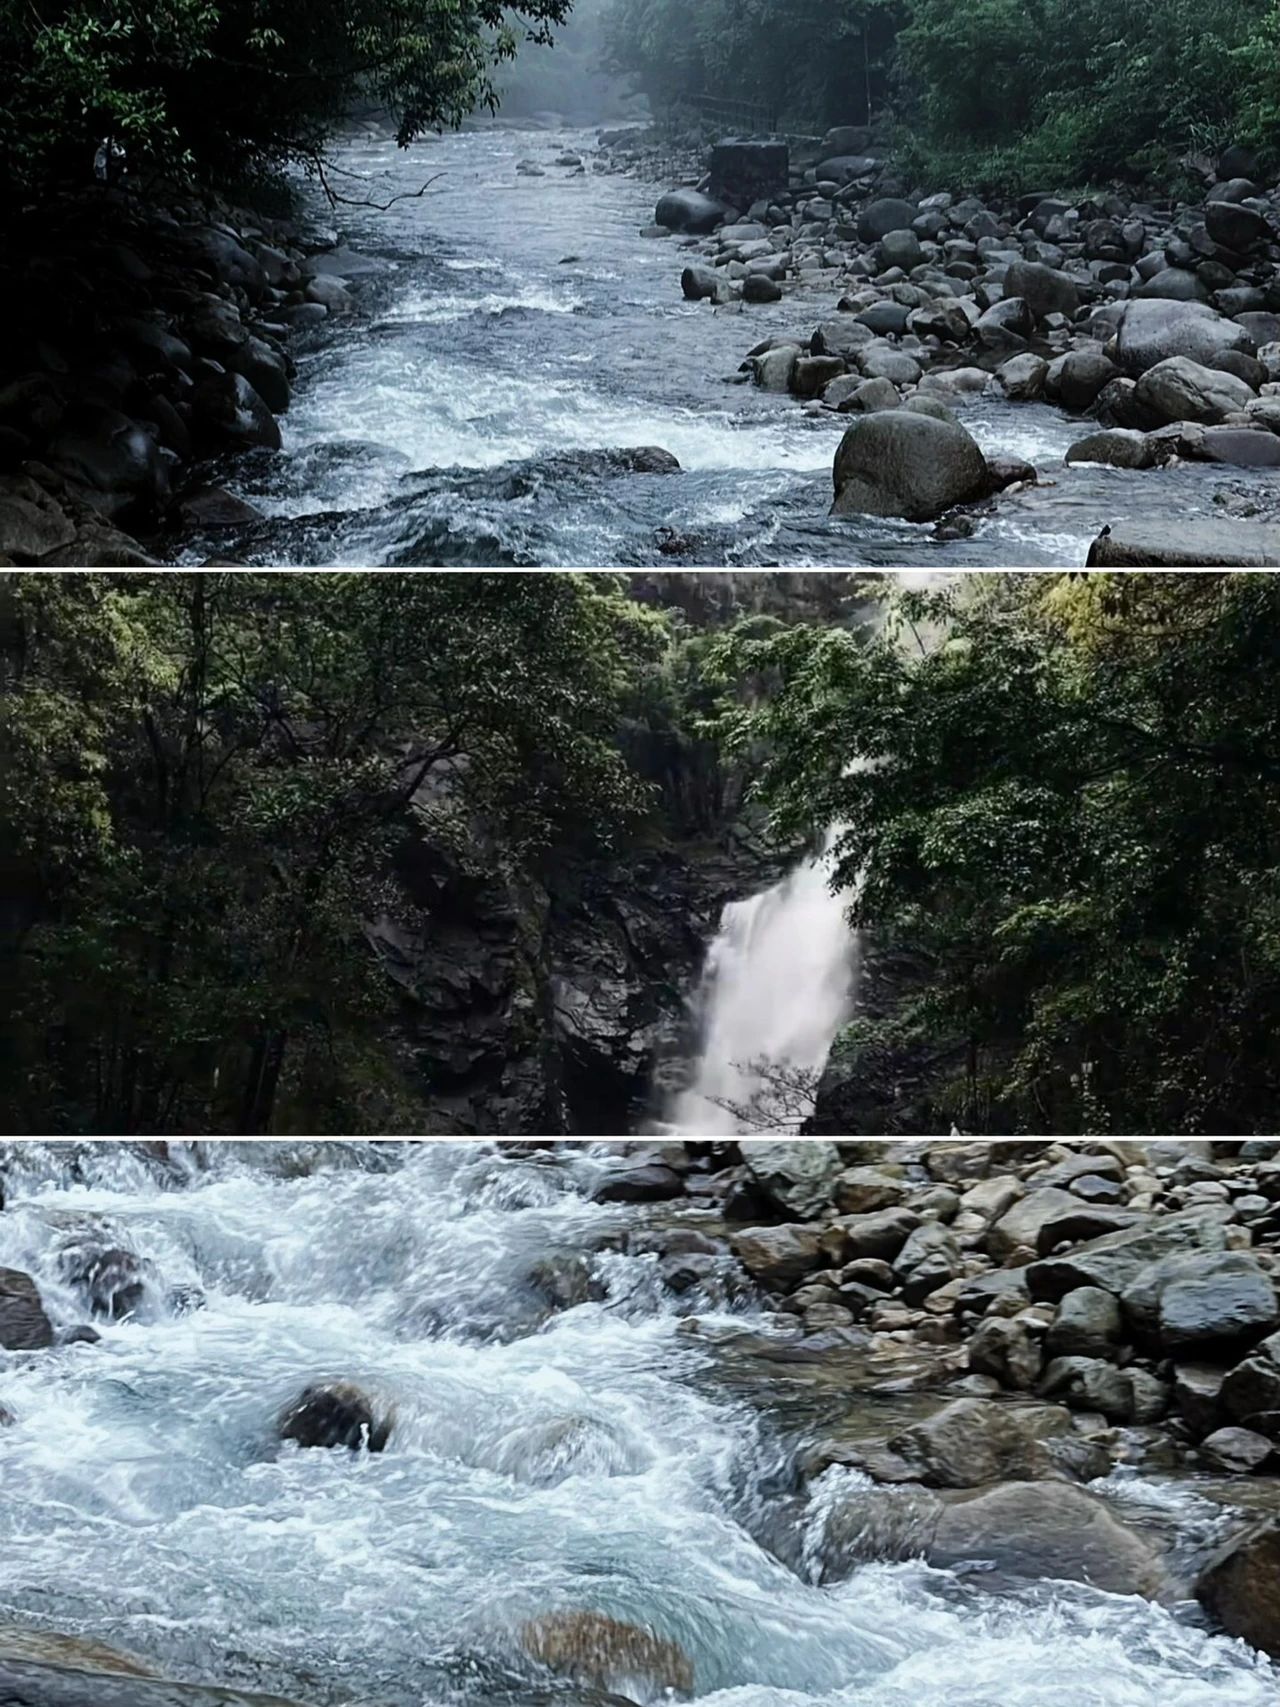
(893, 463)
(1022, 1225)
(1040, 1529)
(1179, 389)
(230, 412)
(1203, 1301)
(1183, 543)
(639, 1182)
(1088, 1323)
(335, 1413)
(1152, 332)
(1114, 1260)
(1241, 1588)
(688, 210)
(798, 1176)
(1074, 380)
(1250, 1393)
(704, 284)
(881, 217)
(23, 1323)
(1235, 227)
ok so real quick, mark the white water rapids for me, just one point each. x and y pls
(588, 1462)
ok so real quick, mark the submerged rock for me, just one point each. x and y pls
(23, 1323)
(1241, 1588)
(599, 1652)
(339, 1414)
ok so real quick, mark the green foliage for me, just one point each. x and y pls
(1060, 92)
(206, 783)
(1061, 797)
(221, 85)
(807, 61)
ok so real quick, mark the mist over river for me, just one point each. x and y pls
(521, 317)
(595, 1458)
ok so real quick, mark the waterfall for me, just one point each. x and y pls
(778, 983)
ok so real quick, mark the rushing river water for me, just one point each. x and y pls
(521, 317)
(589, 1465)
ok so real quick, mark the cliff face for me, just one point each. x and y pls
(548, 1004)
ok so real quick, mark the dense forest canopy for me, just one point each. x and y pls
(1065, 813)
(213, 86)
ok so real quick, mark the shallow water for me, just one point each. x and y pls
(589, 1465)
(524, 316)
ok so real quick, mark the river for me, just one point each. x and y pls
(592, 1464)
(520, 317)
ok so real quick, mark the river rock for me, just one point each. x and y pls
(880, 1234)
(1241, 1588)
(1241, 447)
(1235, 227)
(647, 1182)
(688, 210)
(1152, 332)
(1022, 378)
(1250, 1393)
(798, 1176)
(1115, 447)
(773, 368)
(23, 1323)
(335, 1414)
(1038, 1529)
(895, 463)
(879, 218)
(900, 249)
(775, 1255)
(1006, 1348)
(24, 1684)
(1112, 1261)
(1022, 1226)
(758, 287)
(1043, 290)
(598, 1652)
(1172, 284)
(112, 1280)
(1238, 1451)
(116, 461)
(1202, 1301)
(1088, 1323)
(1187, 544)
(229, 411)
(1179, 389)
(971, 1442)
(33, 525)
(703, 284)
(1074, 380)
(843, 335)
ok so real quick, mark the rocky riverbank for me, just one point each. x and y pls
(985, 1329)
(1155, 322)
(147, 336)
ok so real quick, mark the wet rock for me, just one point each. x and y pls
(775, 1255)
(1113, 1261)
(1238, 1451)
(773, 368)
(215, 507)
(1115, 447)
(1241, 447)
(1179, 389)
(599, 1652)
(230, 412)
(1091, 1384)
(1188, 544)
(1006, 1348)
(33, 525)
(1152, 332)
(1074, 380)
(704, 284)
(112, 1281)
(1172, 284)
(798, 1177)
(881, 1234)
(23, 1684)
(971, 1442)
(1088, 1323)
(336, 1414)
(1022, 378)
(23, 1323)
(77, 1653)
(688, 210)
(758, 287)
(1197, 1395)
(650, 1182)
(1240, 1588)
(881, 217)
(1250, 1393)
(1023, 1225)
(1202, 1302)
(1039, 1529)
(858, 1191)
(1043, 290)
(895, 463)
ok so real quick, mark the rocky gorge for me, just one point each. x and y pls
(939, 1417)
